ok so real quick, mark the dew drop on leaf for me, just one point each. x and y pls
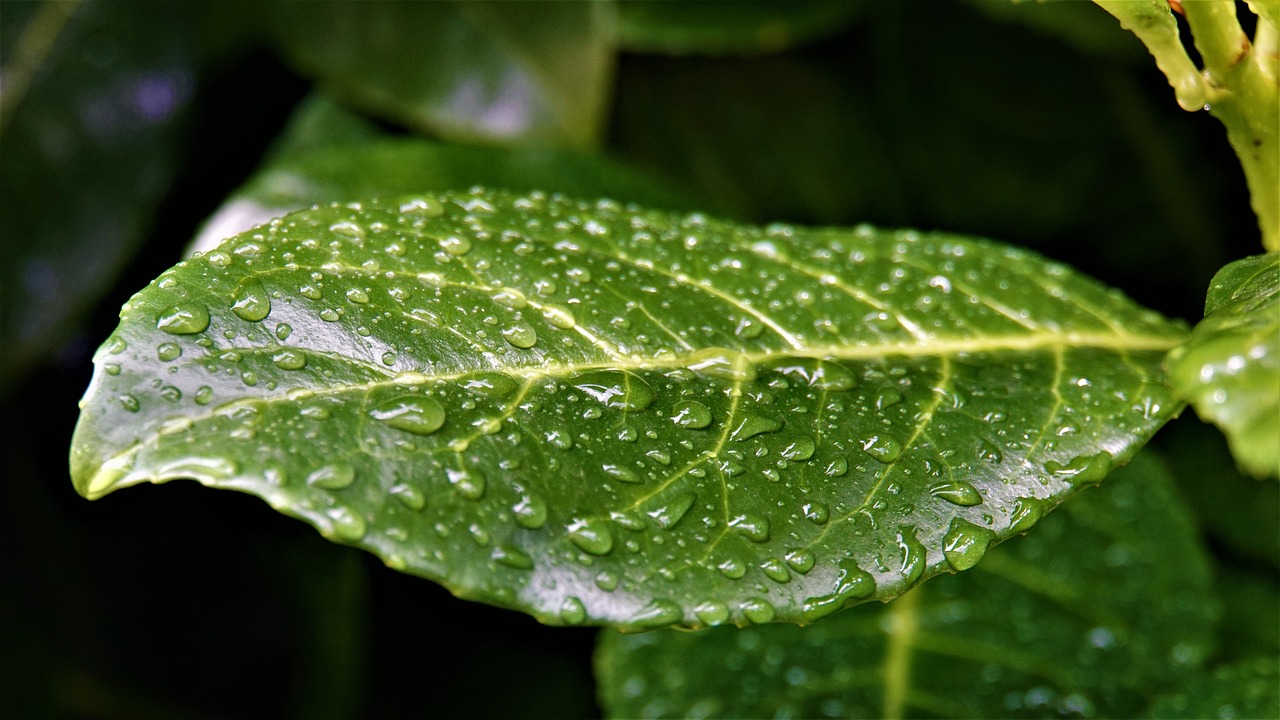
(332, 477)
(416, 415)
(691, 414)
(470, 484)
(591, 535)
(289, 359)
(965, 543)
(520, 335)
(957, 492)
(183, 319)
(251, 301)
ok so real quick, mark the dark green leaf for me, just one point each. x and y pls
(491, 71)
(1082, 25)
(1106, 602)
(93, 97)
(1230, 367)
(609, 415)
(1248, 689)
(729, 27)
(329, 155)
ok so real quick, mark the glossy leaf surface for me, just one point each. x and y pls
(1230, 368)
(601, 414)
(1248, 689)
(729, 27)
(489, 71)
(1106, 602)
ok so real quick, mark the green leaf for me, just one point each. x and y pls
(498, 72)
(1230, 367)
(1108, 601)
(603, 414)
(1249, 689)
(330, 155)
(733, 27)
(94, 97)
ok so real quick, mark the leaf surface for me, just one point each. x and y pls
(1230, 367)
(1106, 603)
(730, 27)
(1249, 689)
(602, 414)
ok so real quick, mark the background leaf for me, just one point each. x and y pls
(729, 27)
(1245, 690)
(497, 72)
(1230, 368)
(601, 414)
(1106, 603)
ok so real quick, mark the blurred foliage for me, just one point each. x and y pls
(123, 125)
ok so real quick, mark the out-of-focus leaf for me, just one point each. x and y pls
(1230, 367)
(1251, 611)
(498, 72)
(1080, 24)
(730, 27)
(769, 138)
(1249, 689)
(330, 155)
(597, 413)
(94, 93)
(1107, 602)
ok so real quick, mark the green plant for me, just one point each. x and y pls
(601, 413)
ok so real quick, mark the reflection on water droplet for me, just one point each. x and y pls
(494, 386)
(957, 492)
(348, 229)
(799, 449)
(712, 614)
(658, 613)
(558, 317)
(512, 557)
(748, 328)
(691, 414)
(753, 527)
(283, 331)
(882, 447)
(203, 395)
(183, 319)
(168, 351)
(521, 336)
(289, 359)
(751, 425)
(531, 512)
(616, 389)
(470, 484)
(357, 296)
(1083, 469)
(732, 568)
(1026, 513)
(758, 611)
(423, 206)
(408, 496)
(671, 513)
(888, 397)
(621, 474)
(591, 535)
(332, 477)
(965, 543)
(111, 369)
(572, 611)
(800, 560)
(347, 526)
(816, 512)
(825, 375)
(722, 363)
(775, 570)
(457, 246)
(251, 301)
(913, 555)
(852, 584)
(413, 414)
(129, 402)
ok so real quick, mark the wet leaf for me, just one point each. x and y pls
(1108, 601)
(1249, 689)
(601, 414)
(329, 155)
(94, 98)
(1230, 367)
(733, 27)
(489, 71)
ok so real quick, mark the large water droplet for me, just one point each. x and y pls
(751, 425)
(913, 555)
(722, 363)
(470, 484)
(531, 512)
(332, 477)
(414, 414)
(558, 317)
(423, 206)
(358, 296)
(494, 386)
(408, 496)
(616, 389)
(455, 245)
(251, 301)
(801, 560)
(818, 374)
(185, 318)
(671, 513)
(591, 535)
(753, 527)
(168, 352)
(658, 613)
(888, 397)
(620, 473)
(511, 298)
(691, 414)
(572, 612)
(1082, 470)
(289, 359)
(512, 557)
(347, 526)
(520, 335)
(758, 611)
(958, 492)
(799, 449)
(712, 613)
(1026, 513)
(852, 584)
(965, 543)
(883, 447)
(776, 570)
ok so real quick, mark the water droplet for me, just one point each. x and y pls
(753, 527)
(111, 369)
(357, 296)
(839, 467)
(818, 374)
(332, 477)
(1026, 513)
(309, 291)
(183, 319)
(957, 492)
(616, 389)
(965, 543)
(470, 484)
(558, 317)
(521, 336)
(913, 556)
(511, 298)
(607, 581)
(722, 363)
(800, 560)
(799, 449)
(218, 258)
(572, 612)
(413, 414)
(882, 447)
(852, 584)
(712, 614)
(591, 535)
(751, 425)
(758, 611)
(668, 515)
(775, 570)
(658, 613)
(129, 402)
(408, 496)
(329, 315)
(732, 568)
(251, 301)
(168, 351)
(659, 456)
(424, 206)
(348, 228)
(388, 358)
(531, 512)
(691, 414)
(512, 557)
(621, 474)
(816, 512)
(748, 328)
(203, 395)
(1083, 469)
(456, 246)
(887, 398)
(283, 331)
(347, 526)
(289, 359)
